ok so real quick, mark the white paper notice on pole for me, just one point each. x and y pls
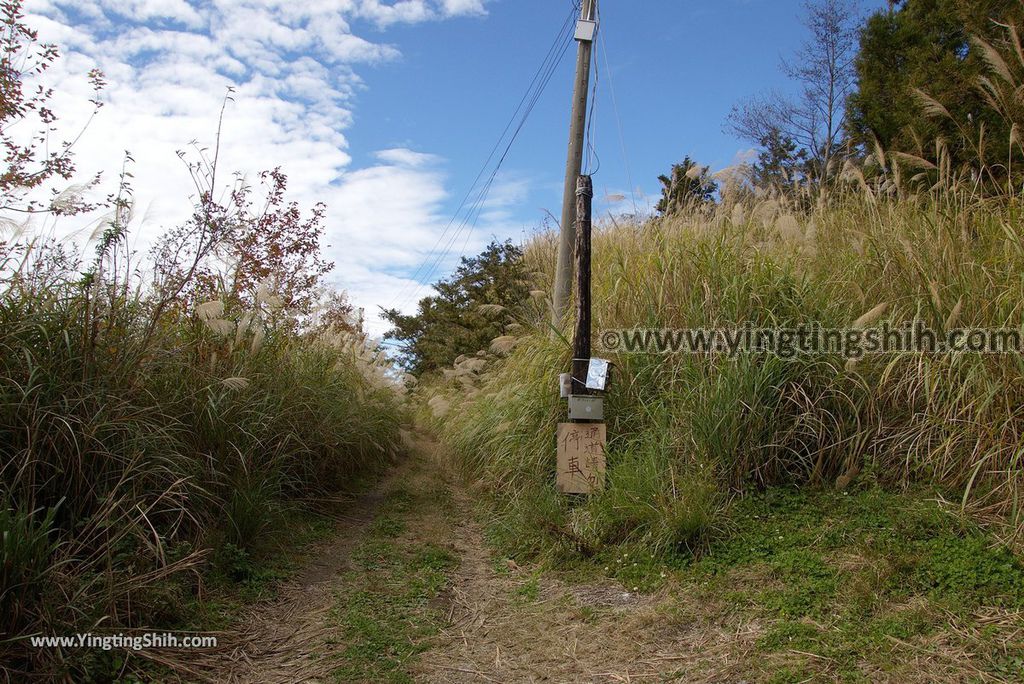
(597, 374)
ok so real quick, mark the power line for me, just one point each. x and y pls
(477, 209)
(591, 151)
(529, 100)
(544, 74)
(462, 204)
(618, 123)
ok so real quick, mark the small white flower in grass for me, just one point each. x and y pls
(954, 315)
(262, 292)
(257, 340)
(439, 406)
(739, 215)
(789, 228)
(265, 296)
(472, 365)
(503, 344)
(72, 196)
(871, 316)
(243, 327)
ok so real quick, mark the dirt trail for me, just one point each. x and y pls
(488, 629)
(284, 640)
(568, 633)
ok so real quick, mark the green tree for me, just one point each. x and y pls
(687, 184)
(781, 164)
(926, 45)
(471, 308)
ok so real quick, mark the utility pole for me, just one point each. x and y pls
(581, 336)
(581, 442)
(585, 32)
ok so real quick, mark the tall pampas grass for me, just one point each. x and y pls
(712, 426)
(129, 461)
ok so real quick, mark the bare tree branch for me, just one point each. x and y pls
(823, 68)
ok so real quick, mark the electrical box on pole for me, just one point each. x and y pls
(586, 30)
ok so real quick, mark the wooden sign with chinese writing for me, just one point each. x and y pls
(581, 461)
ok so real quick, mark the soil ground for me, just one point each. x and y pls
(407, 590)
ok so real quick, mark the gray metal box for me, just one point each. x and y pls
(586, 408)
(585, 30)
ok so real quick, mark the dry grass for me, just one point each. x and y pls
(142, 448)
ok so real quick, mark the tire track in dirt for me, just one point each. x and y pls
(486, 630)
(287, 640)
(570, 633)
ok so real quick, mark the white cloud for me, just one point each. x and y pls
(415, 11)
(292, 67)
(404, 157)
(457, 7)
(747, 156)
(145, 10)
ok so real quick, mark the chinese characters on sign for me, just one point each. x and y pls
(581, 462)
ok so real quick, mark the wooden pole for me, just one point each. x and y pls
(573, 167)
(581, 442)
(581, 337)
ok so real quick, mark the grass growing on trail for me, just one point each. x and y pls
(801, 585)
(389, 604)
(237, 579)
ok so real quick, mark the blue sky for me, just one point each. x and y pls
(386, 109)
(676, 68)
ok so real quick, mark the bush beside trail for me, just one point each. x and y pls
(137, 448)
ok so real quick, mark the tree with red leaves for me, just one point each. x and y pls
(235, 246)
(279, 247)
(30, 158)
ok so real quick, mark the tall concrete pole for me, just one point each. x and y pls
(573, 165)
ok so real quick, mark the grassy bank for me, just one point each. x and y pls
(142, 446)
(688, 433)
